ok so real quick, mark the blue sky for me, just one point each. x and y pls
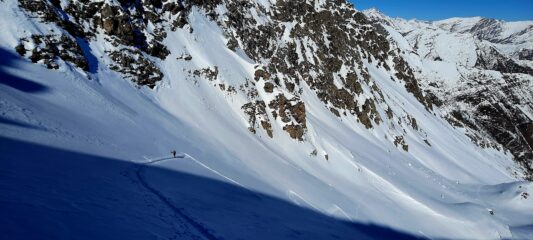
(510, 10)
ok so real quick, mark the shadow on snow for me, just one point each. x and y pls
(7, 60)
(18, 123)
(50, 193)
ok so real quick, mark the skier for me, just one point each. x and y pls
(173, 153)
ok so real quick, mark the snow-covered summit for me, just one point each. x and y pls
(492, 30)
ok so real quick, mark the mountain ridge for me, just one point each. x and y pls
(479, 49)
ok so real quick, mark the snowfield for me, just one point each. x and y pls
(86, 155)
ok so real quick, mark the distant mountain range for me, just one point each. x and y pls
(480, 72)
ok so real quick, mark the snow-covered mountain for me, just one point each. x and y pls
(291, 119)
(479, 71)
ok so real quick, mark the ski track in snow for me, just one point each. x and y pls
(295, 196)
(200, 228)
(214, 171)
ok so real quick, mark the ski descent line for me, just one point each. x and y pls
(204, 232)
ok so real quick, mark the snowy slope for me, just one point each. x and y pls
(86, 153)
(479, 77)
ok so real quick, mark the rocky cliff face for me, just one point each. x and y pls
(327, 47)
(479, 72)
(323, 45)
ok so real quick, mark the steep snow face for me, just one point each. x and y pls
(510, 37)
(492, 30)
(479, 72)
(297, 110)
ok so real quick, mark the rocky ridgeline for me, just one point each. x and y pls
(493, 97)
(491, 30)
(296, 44)
(490, 58)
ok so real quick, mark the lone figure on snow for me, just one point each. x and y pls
(173, 153)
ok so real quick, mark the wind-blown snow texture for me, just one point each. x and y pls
(293, 119)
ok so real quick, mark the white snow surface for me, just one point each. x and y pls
(456, 37)
(84, 156)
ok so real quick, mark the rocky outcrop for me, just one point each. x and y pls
(291, 113)
(209, 73)
(526, 54)
(326, 50)
(491, 59)
(325, 47)
(49, 49)
(51, 12)
(498, 110)
(399, 141)
(124, 22)
(487, 29)
(135, 66)
(254, 111)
